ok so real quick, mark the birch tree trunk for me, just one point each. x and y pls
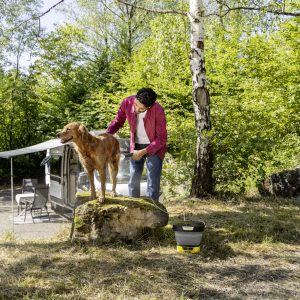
(202, 182)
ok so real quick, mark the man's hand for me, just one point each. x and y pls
(138, 154)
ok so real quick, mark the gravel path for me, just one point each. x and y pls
(11, 223)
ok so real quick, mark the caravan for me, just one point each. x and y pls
(66, 176)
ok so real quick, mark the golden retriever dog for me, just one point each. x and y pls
(95, 152)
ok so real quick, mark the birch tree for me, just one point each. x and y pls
(202, 182)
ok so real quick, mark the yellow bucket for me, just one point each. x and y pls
(188, 249)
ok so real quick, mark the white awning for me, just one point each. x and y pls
(52, 144)
(32, 149)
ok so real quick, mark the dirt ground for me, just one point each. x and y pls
(250, 250)
(13, 225)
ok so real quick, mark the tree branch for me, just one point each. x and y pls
(262, 9)
(35, 17)
(53, 6)
(44, 13)
(220, 14)
(113, 12)
(160, 11)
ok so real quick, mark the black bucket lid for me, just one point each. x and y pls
(190, 226)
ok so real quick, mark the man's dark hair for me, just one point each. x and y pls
(146, 96)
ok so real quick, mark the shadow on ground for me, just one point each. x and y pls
(67, 268)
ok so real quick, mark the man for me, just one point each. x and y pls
(148, 139)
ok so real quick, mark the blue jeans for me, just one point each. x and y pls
(154, 168)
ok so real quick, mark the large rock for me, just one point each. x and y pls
(283, 184)
(118, 218)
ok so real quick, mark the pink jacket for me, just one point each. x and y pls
(154, 121)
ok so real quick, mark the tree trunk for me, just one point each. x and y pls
(202, 182)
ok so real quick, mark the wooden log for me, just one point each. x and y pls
(282, 184)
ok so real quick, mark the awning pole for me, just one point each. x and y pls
(12, 192)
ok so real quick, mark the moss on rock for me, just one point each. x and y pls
(144, 202)
(117, 218)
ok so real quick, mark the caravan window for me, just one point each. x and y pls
(55, 165)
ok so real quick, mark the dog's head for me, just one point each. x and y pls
(72, 132)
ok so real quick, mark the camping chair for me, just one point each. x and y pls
(28, 185)
(38, 208)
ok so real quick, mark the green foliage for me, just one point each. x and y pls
(18, 30)
(84, 70)
(255, 107)
(18, 114)
(179, 163)
(97, 111)
(162, 62)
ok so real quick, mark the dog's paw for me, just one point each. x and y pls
(101, 199)
(114, 194)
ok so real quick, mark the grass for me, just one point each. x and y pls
(250, 250)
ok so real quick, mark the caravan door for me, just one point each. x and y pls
(62, 176)
(72, 167)
(55, 177)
